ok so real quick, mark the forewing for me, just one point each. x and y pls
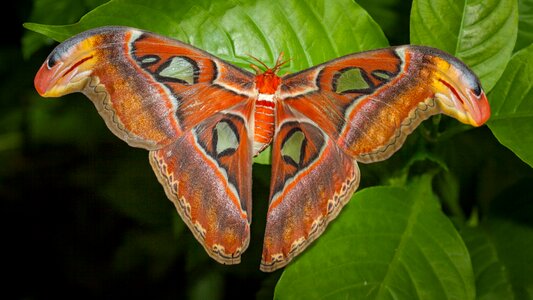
(369, 102)
(189, 108)
(148, 88)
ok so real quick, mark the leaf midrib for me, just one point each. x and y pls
(492, 243)
(411, 221)
(461, 26)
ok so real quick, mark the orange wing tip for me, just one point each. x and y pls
(60, 80)
(69, 65)
(460, 100)
(458, 89)
(481, 114)
(474, 110)
(42, 80)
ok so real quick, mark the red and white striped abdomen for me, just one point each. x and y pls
(264, 121)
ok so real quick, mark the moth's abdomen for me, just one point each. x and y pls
(264, 122)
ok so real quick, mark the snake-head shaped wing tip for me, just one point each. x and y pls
(478, 108)
(70, 65)
(466, 103)
(68, 68)
(457, 88)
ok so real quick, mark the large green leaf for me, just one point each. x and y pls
(308, 32)
(525, 24)
(501, 246)
(481, 33)
(389, 242)
(53, 12)
(492, 279)
(512, 106)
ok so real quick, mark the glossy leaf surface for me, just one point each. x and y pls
(481, 33)
(391, 242)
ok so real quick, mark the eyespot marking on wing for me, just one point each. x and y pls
(225, 138)
(149, 60)
(293, 147)
(179, 69)
(350, 80)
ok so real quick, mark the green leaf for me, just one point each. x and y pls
(447, 187)
(264, 157)
(512, 106)
(492, 279)
(501, 247)
(389, 242)
(53, 12)
(481, 33)
(514, 243)
(308, 32)
(525, 24)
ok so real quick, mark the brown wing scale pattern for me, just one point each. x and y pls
(207, 175)
(189, 108)
(312, 179)
(369, 102)
(359, 107)
(195, 114)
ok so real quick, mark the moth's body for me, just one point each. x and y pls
(203, 120)
(267, 85)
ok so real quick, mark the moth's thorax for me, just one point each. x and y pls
(267, 84)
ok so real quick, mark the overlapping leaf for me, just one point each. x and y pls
(390, 242)
(525, 24)
(492, 279)
(308, 32)
(512, 106)
(481, 33)
(53, 12)
(500, 246)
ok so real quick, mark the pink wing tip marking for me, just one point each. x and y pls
(42, 79)
(482, 113)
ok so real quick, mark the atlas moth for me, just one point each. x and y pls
(203, 120)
